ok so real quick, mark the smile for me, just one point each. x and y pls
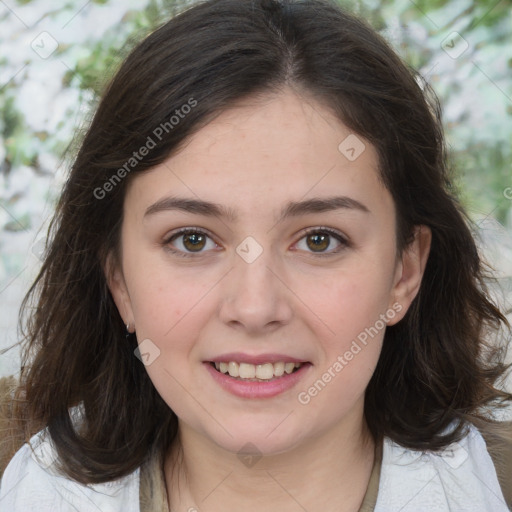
(256, 372)
(257, 381)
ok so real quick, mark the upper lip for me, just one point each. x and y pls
(255, 359)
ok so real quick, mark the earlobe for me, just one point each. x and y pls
(410, 270)
(119, 291)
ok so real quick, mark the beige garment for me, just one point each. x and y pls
(153, 494)
(152, 490)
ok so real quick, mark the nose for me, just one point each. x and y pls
(255, 297)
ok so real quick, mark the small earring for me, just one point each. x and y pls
(128, 333)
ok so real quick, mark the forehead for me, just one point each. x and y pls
(268, 150)
(278, 128)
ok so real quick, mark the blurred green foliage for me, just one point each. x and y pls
(478, 86)
(475, 89)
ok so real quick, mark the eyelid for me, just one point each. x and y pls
(188, 229)
(325, 229)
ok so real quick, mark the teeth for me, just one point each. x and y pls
(247, 371)
(278, 369)
(264, 371)
(288, 367)
(233, 369)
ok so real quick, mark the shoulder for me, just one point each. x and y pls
(31, 483)
(498, 437)
(461, 477)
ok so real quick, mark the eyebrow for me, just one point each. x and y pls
(292, 209)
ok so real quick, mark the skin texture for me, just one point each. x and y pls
(255, 158)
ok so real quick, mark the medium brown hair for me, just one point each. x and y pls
(437, 365)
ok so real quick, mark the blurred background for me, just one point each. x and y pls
(56, 57)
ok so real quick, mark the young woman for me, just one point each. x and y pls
(260, 293)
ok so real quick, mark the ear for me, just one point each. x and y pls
(119, 291)
(409, 271)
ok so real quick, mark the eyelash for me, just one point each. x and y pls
(344, 243)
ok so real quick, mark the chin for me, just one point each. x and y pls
(258, 439)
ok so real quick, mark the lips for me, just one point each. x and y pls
(256, 375)
(257, 388)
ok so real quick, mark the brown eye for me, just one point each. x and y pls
(318, 241)
(194, 241)
(322, 242)
(190, 241)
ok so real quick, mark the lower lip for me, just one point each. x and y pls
(248, 389)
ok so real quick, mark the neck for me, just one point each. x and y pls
(327, 473)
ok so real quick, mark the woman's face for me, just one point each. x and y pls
(289, 257)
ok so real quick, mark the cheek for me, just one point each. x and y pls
(352, 309)
(170, 309)
(350, 304)
(165, 300)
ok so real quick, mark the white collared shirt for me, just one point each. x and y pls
(462, 478)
